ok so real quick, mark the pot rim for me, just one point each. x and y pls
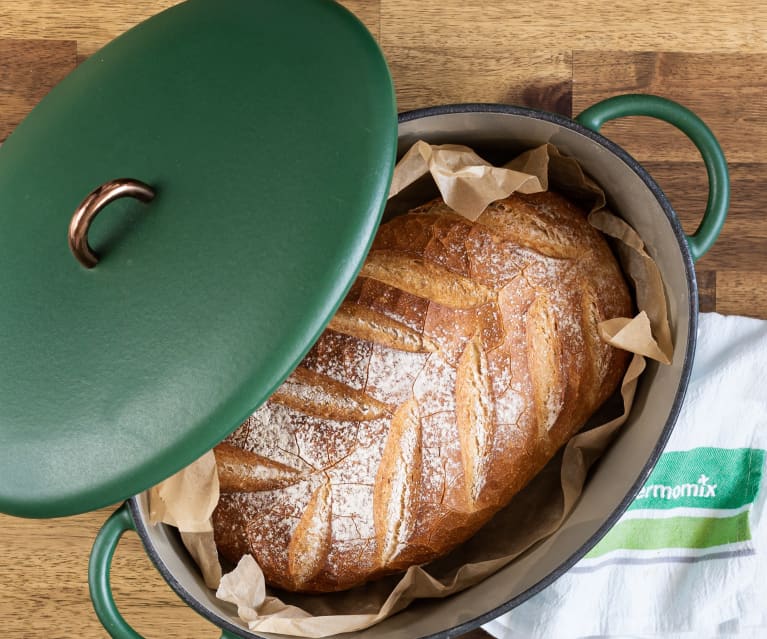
(612, 518)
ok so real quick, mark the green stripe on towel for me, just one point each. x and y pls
(703, 478)
(674, 532)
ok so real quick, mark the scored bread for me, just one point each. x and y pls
(464, 356)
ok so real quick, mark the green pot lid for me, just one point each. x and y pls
(267, 131)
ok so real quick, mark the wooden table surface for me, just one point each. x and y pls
(559, 56)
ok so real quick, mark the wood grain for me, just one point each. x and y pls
(28, 70)
(737, 26)
(726, 90)
(742, 243)
(706, 291)
(741, 293)
(530, 77)
(546, 54)
(44, 586)
(94, 23)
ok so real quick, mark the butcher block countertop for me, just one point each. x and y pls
(547, 54)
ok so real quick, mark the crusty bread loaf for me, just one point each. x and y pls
(464, 356)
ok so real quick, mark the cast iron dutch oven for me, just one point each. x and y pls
(242, 152)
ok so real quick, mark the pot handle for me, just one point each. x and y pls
(119, 522)
(701, 136)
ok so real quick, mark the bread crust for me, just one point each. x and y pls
(464, 356)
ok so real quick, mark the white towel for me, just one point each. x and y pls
(688, 559)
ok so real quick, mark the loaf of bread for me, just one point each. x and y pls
(464, 356)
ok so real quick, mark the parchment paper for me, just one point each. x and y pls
(187, 501)
(468, 184)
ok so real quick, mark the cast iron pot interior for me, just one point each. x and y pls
(499, 132)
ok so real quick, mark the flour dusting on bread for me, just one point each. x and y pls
(463, 357)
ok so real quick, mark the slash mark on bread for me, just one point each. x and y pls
(397, 486)
(426, 279)
(322, 396)
(474, 416)
(310, 543)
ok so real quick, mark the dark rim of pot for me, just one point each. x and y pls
(612, 519)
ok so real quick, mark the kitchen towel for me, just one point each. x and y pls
(688, 559)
